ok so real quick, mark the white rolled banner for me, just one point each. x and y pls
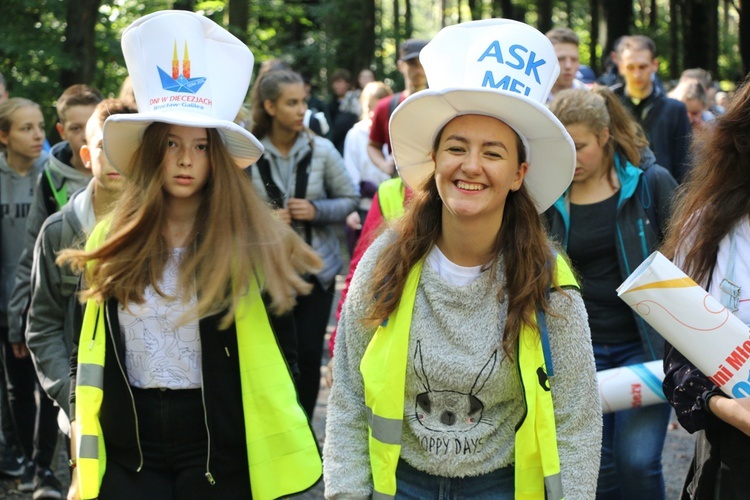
(632, 386)
(716, 341)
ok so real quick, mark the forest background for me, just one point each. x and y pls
(47, 45)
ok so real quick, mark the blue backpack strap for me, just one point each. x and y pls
(566, 280)
(541, 322)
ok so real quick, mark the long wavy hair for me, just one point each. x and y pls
(527, 255)
(598, 109)
(716, 192)
(235, 238)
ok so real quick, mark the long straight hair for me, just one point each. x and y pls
(526, 251)
(235, 239)
(716, 193)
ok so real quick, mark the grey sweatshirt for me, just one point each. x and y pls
(50, 330)
(16, 197)
(455, 353)
(329, 189)
(62, 174)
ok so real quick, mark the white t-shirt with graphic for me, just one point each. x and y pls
(161, 351)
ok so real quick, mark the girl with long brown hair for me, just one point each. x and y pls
(709, 238)
(304, 178)
(183, 383)
(608, 221)
(461, 363)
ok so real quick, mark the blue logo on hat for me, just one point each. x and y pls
(180, 81)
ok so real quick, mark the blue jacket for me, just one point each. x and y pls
(644, 207)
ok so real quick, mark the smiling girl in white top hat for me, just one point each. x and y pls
(462, 367)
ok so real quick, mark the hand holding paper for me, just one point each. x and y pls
(703, 330)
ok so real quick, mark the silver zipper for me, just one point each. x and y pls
(127, 383)
(209, 476)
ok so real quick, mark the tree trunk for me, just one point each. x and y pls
(544, 11)
(239, 18)
(442, 13)
(475, 9)
(674, 36)
(700, 34)
(184, 5)
(744, 9)
(652, 15)
(408, 20)
(79, 45)
(618, 15)
(593, 58)
(396, 28)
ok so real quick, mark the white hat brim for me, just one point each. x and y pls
(122, 134)
(550, 150)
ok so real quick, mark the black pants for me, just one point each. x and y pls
(311, 316)
(174, 442)
(33, 413)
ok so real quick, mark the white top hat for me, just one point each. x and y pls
(495, 67)
(186, 70)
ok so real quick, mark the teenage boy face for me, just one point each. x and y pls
(637, 67)
(73, 130)
(93, 158)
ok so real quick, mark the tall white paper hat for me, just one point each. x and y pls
(495, 67)
(186, 70)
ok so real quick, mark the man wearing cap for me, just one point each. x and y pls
(566, 42)
(414, 80)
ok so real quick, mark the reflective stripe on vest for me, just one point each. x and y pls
(383, 368)
(391, 195)
(282, 451)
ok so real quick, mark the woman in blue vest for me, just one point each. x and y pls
(609, 221)
(709, 238)
(463, 364)
(183, 384)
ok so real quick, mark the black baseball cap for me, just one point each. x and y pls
(411, 48)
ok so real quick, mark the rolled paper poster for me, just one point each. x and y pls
(631, 386)
(716, 341)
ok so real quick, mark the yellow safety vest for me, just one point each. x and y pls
(391, 195)
(282, 451)
(383, 368)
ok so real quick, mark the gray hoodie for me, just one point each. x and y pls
(16, 196)
(329, 189)
(50, 330)
(63, 174)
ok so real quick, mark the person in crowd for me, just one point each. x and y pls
(21, 141)
(414, 81)
(364, 77)
(343, 109)
(52, 313)
(704, 77)
(180, 378)
(693, 94)
(3, 89)
(566, 44)
(663, 119)
(304, 179)
(709, 239)
(63, 175)
(363, 172)
(610, 220)
(722, 102)
(440, 378)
